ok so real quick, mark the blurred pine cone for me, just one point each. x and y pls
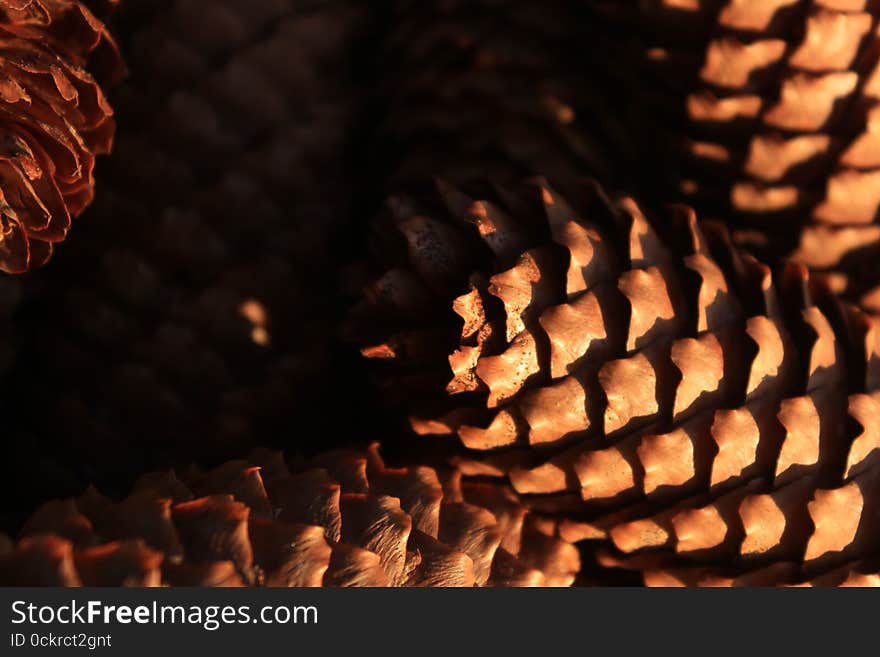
(766, 114)
(492, 89)
(344, 519)
(189, 319)
(55, 120)
(640, 375)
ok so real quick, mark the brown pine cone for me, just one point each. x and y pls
(491, 89)
(670, 393)
(766, 113)
(190, 318)
(55, 119)
(345, 519)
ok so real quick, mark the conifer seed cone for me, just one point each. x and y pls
(192, 316)
(676, 400)
(345, 519)
(766, 113)
(489, 89)
(54, 118)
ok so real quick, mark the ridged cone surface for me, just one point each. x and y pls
(673, 398)
(344, 519)
(190, 318)
(685, 410)
(766, 115)
(54, 120)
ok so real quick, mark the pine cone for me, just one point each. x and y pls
(191, 319)
(766, 113)
(489, 89)
(55, 121)
(669, 392)
(344, 520)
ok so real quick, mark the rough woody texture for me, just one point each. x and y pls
(190, 318)
(762, 112)
(668, 394)
(344, 519)
(54, 121)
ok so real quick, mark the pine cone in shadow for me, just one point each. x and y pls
(344, 519)
(190, 318)
(55, 120)
(663, 391)
(767, 115)
(491, 89)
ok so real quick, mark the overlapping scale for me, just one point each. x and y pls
(54, 121)
(192, 316)
(673, 398)
(344, 519)
(764, 114)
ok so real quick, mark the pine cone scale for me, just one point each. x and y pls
(706, 429)
(415, 533)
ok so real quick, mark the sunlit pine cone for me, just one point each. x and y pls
(767, 116)
(55, 120)
(344, 519)
(664, 393)
(492, 89)
(191, 317)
